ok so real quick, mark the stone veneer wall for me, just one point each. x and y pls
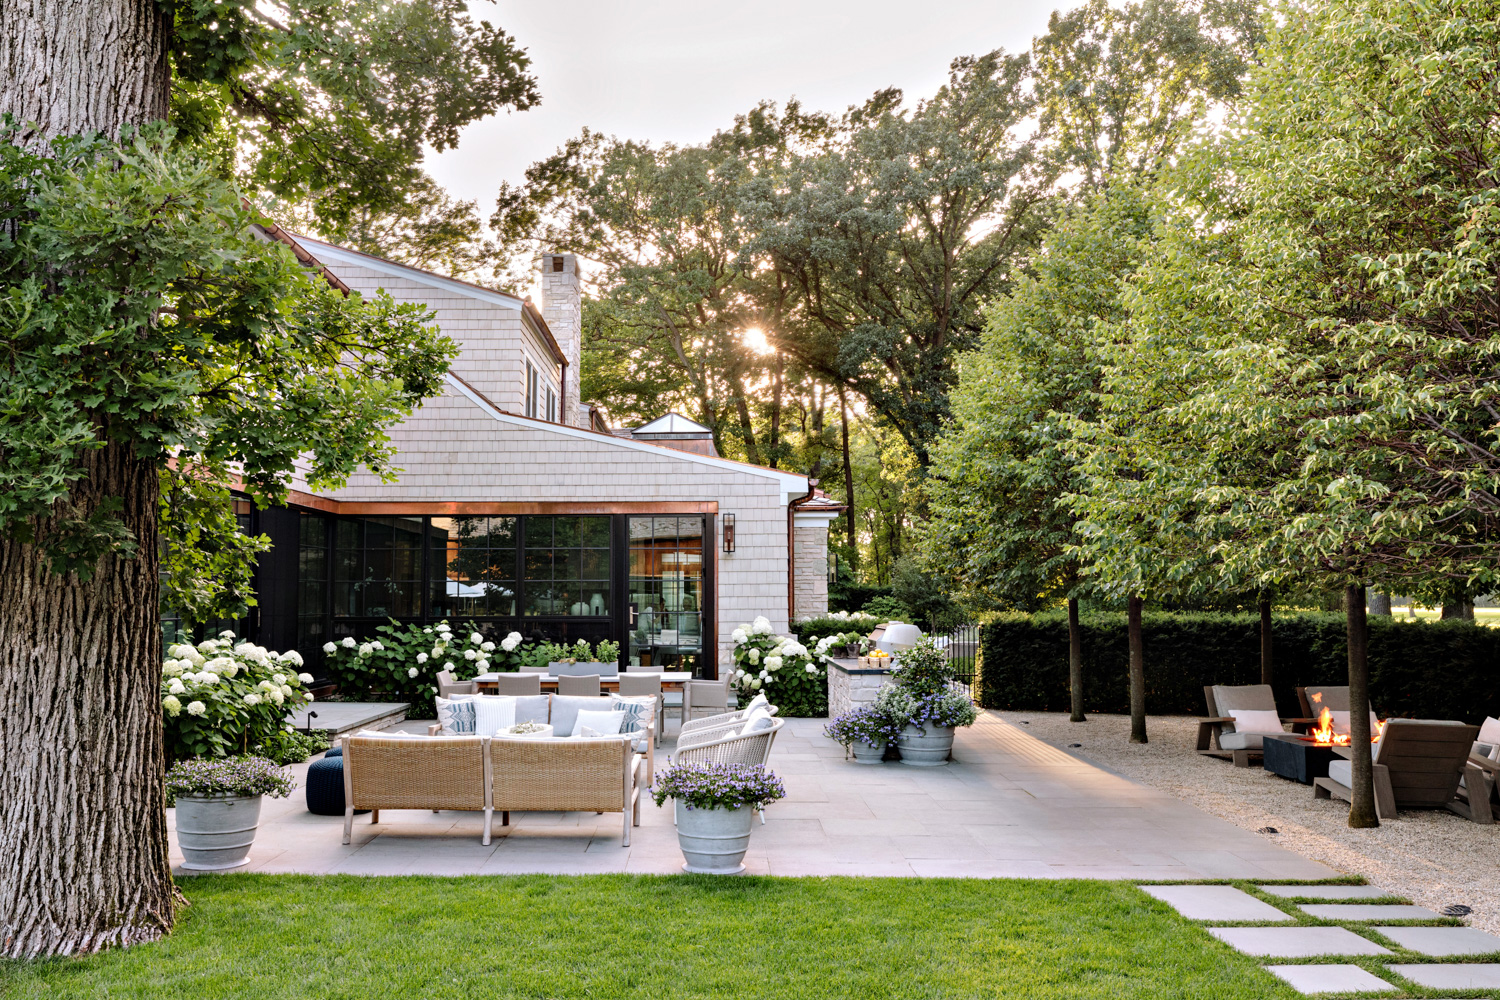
(810, 586)
(850, 686)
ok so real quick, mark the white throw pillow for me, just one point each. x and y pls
(604, 723)
(390, 734)
(1489, 731)
(1340, 722)
(493, 712)
(1252, 720)
(757, 720)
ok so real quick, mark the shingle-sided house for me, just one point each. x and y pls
(517, 508)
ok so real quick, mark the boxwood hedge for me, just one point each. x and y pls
(1418, 669)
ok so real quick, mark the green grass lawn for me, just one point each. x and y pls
(660, 936)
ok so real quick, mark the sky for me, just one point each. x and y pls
(678, 70)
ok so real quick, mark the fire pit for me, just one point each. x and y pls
(1297, 757)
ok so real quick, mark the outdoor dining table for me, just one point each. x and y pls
(671, 680)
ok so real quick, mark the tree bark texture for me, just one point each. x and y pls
(1137, 672)
(1267, 667)
(1075, 661)
(1362, 794)
(83, 831)
(848, 475)
(74, 66)
(1380, 604)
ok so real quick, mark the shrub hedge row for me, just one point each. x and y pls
(1421, 669)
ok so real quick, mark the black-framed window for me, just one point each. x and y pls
(377, 567)
(312, 582)
(473, 567)
(566, 565)
(532, 385)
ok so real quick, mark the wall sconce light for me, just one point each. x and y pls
(728, 532)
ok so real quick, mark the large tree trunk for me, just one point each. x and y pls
(1380, 604)
(1267, 668)
(1137, 672)
(1075, 662)
(83, 831)
(72, 67)
(83, 835)
(1362, 797)
(848, 475)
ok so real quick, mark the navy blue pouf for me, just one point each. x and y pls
(325, 787)
(337, 751)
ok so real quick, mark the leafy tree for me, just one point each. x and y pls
(148, 331)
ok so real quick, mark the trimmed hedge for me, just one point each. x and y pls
(1422, 669)
(810, 630)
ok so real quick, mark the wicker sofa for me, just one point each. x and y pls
(479, 773)
(561, 711)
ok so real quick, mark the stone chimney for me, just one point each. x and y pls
(562, 308)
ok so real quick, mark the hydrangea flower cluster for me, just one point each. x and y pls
(222, 695)
(792, 675)
(229, 776)
(718, 786)
(403, 663)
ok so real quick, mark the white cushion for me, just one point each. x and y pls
(759, 699)
(603, 723)
(1489, 731)
(1251, 720)
(757, 720)
(390, 734)
(1342, 771)
(1241, 741)
(493, 712)
(565, 709)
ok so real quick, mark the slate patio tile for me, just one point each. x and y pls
(1443, 942)
(1221, 903)
(1366, 911)
(1331, 979)
(1452, 977)
(1296, 942)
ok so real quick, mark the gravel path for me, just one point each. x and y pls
(1434, 858)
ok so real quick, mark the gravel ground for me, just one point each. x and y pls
(1434, 858)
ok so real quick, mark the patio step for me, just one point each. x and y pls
(340, 718)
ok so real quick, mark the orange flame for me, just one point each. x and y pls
(1324, 735)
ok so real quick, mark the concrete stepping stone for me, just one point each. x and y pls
(1296, 942)
(1452, 977)
(1325, 891)
(1222, 903)
(1443, 942)
(1367, 911)
(1331, 979)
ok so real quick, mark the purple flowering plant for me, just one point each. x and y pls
(214, 776)
(945, 709)
(718, 786)
(866, 724)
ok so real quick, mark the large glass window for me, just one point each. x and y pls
(567, 566)
(312, 581)
(666, 592)
(377, 567)
(473, 564)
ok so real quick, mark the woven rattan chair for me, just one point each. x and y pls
(578, 686)
(518, 685)
(415, 773)
(593, 775)
(725, 719)
(527, 669)
(641, 685)
(448, 686)
(729, 747)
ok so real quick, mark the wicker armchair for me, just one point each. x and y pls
(595, 775)
(414, 773)
(729, 746)
(693, 729)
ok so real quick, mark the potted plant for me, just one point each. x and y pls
(865, 732)
(924, 704)
(218, 807)
(715, 805)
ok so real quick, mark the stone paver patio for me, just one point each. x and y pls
(1009, 805)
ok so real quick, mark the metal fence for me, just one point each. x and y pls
(963, 653)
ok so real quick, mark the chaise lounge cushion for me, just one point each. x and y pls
(1242, 741)
(1342, 771)
(606, 723)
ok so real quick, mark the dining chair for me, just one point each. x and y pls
(518, 685)
(525, 669)
(578, 685)
(448, 686)
(645, 684)
(709, 695)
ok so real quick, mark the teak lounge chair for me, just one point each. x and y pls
(1219, 736)
(1417, 765)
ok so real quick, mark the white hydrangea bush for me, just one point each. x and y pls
(403, 664)
(224, 696)
(793, 677)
